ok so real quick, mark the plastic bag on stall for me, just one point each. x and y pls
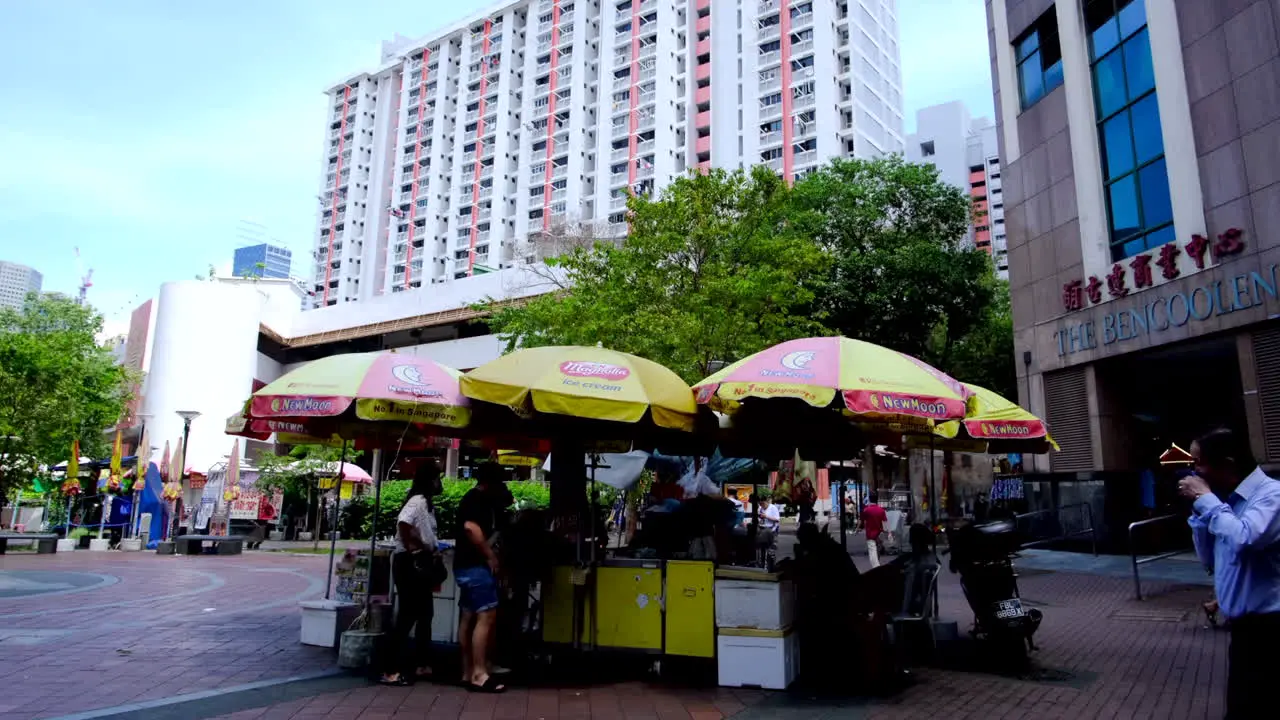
(696, 482)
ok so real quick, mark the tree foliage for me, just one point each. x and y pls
(57, 385)
(711, 270)
(725, 264)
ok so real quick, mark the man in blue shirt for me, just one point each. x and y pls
(1235, 524)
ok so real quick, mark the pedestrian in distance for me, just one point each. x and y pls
(1235, 524)
(414, 571)
(874, 519)
(476, 569)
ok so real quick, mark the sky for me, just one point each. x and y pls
(143, 131)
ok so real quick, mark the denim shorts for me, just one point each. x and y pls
(477, 589)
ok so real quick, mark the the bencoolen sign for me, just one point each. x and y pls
(1164, 311)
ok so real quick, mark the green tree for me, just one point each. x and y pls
(899, 274)
(711, 270)
(57, 385)
(985, 355)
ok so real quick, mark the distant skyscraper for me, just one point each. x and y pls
(966, 153)
(275, 261)
(464, 146)
(15, 282)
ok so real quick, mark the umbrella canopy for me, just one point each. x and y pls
(591, 383)
(287, 432)
(143, 456)
(997, 418)
(373, 386)
(164, 462)
(868, 382)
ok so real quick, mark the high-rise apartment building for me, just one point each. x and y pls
(262, 260)
(461, 147)
(15, 282)
(967, 155)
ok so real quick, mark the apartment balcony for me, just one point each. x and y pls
(486, 193)
(769, 32)
(703, 71)
(702, 144)
(473, 95)
(647, 98)
(644, 172)
(803, 130)
(648, 51)
(648, 73)
(801, 48)
(645, 122)
(622, 83)
(482, 237)
(486, 171)
(703, 47)
(619, 179)
(804, 102)
(775, 164)
(646, 147)
(702, 95)
(559, 171)
(770, 112)
(770, 58)
(801, 74)
(559, 195)
(484, 214)
(648, 5)
(487, 152)
(767, 5)
(808, 157)
(618, 202)
(702, 119)
(804, 19)
(703, 24)
(772, 84)
(620, 131)
(619, 154)
(618, 229)
(622, 58)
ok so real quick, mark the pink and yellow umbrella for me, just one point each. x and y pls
(376, 386)
(869, 383)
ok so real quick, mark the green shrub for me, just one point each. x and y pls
(357, 515)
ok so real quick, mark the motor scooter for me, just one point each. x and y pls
(982, 555)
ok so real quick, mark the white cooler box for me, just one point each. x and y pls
(765, 659)
(747, 599)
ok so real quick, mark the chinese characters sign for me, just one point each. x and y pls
(1136, 273)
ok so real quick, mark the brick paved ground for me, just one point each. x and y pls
(1117, 658)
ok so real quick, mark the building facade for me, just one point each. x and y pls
(461, 148)
(966, 153)
(15, 282)
(262, 260)
(1141, 149)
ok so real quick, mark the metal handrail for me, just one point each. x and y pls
(1091, 530)
(1133, 550)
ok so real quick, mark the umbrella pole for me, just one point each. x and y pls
(333, 534)
(373, 536)
(933, 490)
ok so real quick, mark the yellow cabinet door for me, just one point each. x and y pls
(629, 607)
(691, 609)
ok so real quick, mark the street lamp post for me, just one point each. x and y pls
(187, 416)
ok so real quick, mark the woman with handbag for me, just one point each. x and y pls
(415, 569)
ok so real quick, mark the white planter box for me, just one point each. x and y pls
(765, 604)
(67, 545)
(131, 544)
(757, 658)
(100, 545)
(320, 621)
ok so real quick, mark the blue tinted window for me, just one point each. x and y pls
(1133, 17)
(1117, 146)
(1148, 139)
(1039, 59)
(1159, 238)
(1156, 207)
(1138, 203)
(1137, 65)
(1108, 76)
(1124, 208)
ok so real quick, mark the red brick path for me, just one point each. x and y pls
(1130, 659)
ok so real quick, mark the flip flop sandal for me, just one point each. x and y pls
(398, 682)
(490, 686)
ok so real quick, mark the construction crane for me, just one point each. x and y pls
(86, 278)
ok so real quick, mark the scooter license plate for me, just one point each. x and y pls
(1006, 609)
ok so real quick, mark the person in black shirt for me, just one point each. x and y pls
(475, 567)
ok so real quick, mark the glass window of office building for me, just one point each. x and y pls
(1039, 57)
(1139, 211)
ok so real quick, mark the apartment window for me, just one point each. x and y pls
(1139, 210)
(927, 149)
(1039, 59)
